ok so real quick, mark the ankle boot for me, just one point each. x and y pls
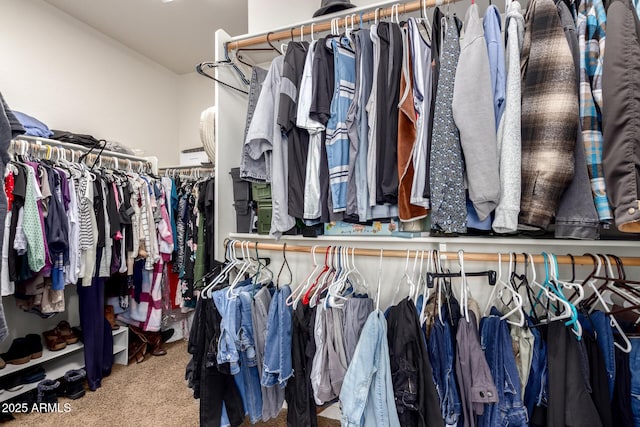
(109, 314)
(48, 391)
(74, 383)
(155, 343)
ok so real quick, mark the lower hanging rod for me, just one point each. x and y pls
(395, 253)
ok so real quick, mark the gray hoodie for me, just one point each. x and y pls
(473, 113)
(509, 131)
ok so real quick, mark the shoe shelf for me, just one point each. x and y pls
(47, 355)
(121, 345)
(54, 368)
(57, 363)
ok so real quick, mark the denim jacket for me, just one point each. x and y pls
(367, 397)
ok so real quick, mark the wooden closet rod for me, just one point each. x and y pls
(320, 26)
(395, 253)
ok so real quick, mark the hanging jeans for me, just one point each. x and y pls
(277, 353)
(536, 390)
(496, 343)
(441, 353)
(634, 364)
(248, 364)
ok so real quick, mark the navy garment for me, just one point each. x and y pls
(441, 353)
(98, 341)
(535, 391)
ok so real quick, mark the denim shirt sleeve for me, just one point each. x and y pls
(359, 376)
(367, 377)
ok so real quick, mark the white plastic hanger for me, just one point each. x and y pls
(298, 292)
(427, 290)
(406, 277)
(379, 280)
(464, 287)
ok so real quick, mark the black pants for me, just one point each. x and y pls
(211, 383)
(301, 408)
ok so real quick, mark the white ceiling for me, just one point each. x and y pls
(178, 34)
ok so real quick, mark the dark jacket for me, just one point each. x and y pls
(417, 400)
(621, 122)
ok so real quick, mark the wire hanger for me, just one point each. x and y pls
(284, 263)
(214, 64)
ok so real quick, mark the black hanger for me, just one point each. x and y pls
(250, 49)
(284, 263)
(271, 44)
(200, 69)
(490, 274)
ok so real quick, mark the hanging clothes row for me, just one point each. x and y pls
(549, 353)
(452, 120)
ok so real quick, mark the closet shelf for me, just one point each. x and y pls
(47, 355)
(121, 330)
(52, 374)
(507, 241)
(118, 349)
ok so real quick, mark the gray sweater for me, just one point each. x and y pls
(509, 132)
(473, 113)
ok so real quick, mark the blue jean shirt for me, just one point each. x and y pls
(228, 308)
(367, 397)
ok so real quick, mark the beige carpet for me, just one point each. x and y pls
(152, 393)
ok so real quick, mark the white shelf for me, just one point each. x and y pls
(118, 349)
(47, 355)
(120, 330)
(484, 240)
(54, 370)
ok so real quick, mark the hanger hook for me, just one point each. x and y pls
(270, 43)
(375, 14)
(313, 38)
(301, 33)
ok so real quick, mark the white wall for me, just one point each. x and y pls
(75, 78)
(195, 94)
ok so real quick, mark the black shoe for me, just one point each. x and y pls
(19, 353)
(74, 384)
(33, 375)
(48, 391)
(11, 382)
(167, 334)
(34, 343)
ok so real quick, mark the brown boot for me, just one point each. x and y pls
(155, 343)
(109, 314)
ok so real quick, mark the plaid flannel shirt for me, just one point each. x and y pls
(591, 24)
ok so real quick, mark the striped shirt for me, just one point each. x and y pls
(337, 137)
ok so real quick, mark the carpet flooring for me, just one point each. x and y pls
(151, 393)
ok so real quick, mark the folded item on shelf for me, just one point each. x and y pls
(75, 138)
(33, 126)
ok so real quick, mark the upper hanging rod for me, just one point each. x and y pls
(319, 26)
(468, 256)
(76, 147)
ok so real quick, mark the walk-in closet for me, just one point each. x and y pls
(416, 213)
